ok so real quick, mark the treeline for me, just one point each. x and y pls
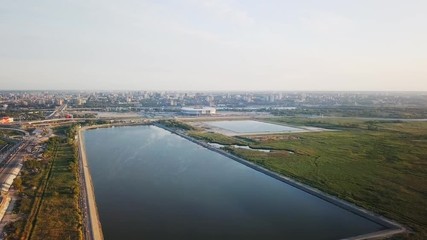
(371, 112)
(176, 124)
(24, 115)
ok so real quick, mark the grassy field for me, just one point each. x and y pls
(215, 137)
(176, 124)
(59, 216)
(49, 192)
(377, 165)
(406, 112)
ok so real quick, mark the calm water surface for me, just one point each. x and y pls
(249, 126)
(151, 184)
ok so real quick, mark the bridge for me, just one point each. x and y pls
(16, 129)
(57, 111)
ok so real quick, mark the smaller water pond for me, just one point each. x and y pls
(250, 126)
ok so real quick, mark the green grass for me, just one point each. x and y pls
(49, 193)
(176, 124)
(215, 137)
(383, 169)
(59, 216)
(415, 111)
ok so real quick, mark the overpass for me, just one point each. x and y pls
(59, 110)
(16, 129)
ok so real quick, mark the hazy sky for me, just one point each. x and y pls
(214, 44)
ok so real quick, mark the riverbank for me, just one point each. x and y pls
(93, 224)
(393, 227)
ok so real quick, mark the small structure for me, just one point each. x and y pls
(6, 120)
(10, 177)
(196, 111)
(37, 132)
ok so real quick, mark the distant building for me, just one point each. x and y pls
(80, 101)
(198, 111)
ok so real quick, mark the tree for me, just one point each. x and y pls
(17, 183)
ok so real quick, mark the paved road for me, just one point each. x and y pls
(11, 161)
(57, 111)
(16, 129)
(91, 219)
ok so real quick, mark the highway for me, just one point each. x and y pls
(16, 129)
(12, 160)
(6, 154)
(57, 111)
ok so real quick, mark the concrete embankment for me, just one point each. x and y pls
(392, 227)
(94, 225)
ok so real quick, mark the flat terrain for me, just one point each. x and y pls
(243, 127)
(381, 166)
(59, 216)
(49, 194)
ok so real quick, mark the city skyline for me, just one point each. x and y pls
(214, 45)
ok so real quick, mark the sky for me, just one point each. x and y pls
(238, 45)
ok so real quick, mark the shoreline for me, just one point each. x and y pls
(391, 226)
(91, 217)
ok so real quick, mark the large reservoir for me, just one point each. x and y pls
(152, 184)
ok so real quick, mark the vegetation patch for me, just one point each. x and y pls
(216, 138)
(357, 111)
(381, 166)
(176, 124)
(50, 193)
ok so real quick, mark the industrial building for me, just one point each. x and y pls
(6, 120)
(10, 177)
(196, 111)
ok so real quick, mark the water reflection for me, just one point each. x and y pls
(151, 184)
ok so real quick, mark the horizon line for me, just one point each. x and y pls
(170, 90)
